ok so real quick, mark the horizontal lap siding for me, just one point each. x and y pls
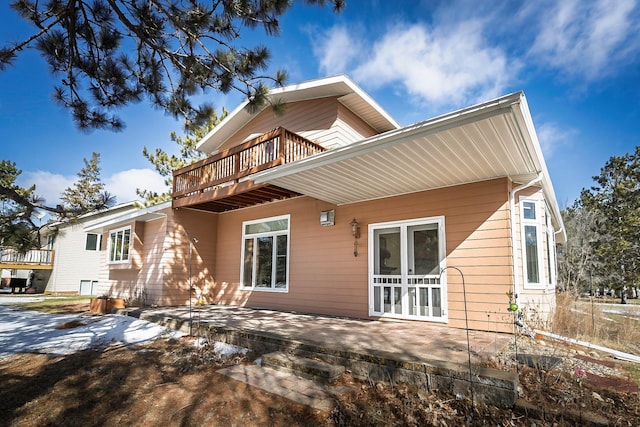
(477, 229)
(72, 262)
(326, 278)
(175, 255)
(149, 286)
(310, 119)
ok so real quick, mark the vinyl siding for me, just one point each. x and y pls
(72, 263)
(326, 278)
(325, 121)
(175, 261)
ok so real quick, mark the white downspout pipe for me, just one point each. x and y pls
(514, 248)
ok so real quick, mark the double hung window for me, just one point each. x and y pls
(119, 241)
(265, 254)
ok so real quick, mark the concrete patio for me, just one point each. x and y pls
(425, 355)
(414, 341)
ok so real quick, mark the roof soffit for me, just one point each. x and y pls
(488, 141)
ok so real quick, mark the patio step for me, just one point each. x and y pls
(302, 366)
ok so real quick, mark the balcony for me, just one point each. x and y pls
(34, 259)
(221, 182)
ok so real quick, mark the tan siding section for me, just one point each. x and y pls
(324, 121)
(175, 255)
(326, 278)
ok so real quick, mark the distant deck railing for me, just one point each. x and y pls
(11, 258)
(274, 148)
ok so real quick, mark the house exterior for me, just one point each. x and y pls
(77, 261)
(333, 208)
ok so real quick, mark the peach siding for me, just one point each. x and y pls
(175, 256)
(324, 121)
(326, 278)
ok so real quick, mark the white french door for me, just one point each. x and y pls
(405, 260)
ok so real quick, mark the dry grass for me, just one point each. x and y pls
(585, 320)
(59, 305)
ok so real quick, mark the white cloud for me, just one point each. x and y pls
(587, 39)
(48, 185)
(440, 66)
(336, 51)
(123, 184)
(552, 137)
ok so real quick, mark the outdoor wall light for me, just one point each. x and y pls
(355, 232)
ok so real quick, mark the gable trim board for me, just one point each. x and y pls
(348, 93)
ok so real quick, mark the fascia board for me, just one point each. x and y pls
(147, 213)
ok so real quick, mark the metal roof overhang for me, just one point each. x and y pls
(491, 140)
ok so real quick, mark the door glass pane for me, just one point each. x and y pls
(376, 299)
(424, 256)
(281, 262)
(412, 301)
(437, 303)
(397, 300)
(264, 260)
(424, 301)
(387, 251)
(387, 299)
(531, 239)
(247, 276)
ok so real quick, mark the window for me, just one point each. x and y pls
(119, 241)
(551, 252)
(265, 254)
(92, 242)
(532, 248)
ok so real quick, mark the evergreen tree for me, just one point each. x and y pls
(616, 201)
(165, 164)
(20, 206)
(16, 219)
(111, 53)
(87, 193)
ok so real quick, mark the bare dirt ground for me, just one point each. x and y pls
(172, 383)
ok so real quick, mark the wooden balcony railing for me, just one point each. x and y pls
(226, 168)
(10, 258)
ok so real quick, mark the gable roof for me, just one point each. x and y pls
(490, 140)
(341, 86)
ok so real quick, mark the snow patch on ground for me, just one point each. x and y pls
(26, 331)
(220, 348)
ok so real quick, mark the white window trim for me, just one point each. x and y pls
(253, 286)
(538, 223)
(404, 224)
(551, 243)
(116, 230)
(98, 242)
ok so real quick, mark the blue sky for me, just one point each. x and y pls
(578, 63)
